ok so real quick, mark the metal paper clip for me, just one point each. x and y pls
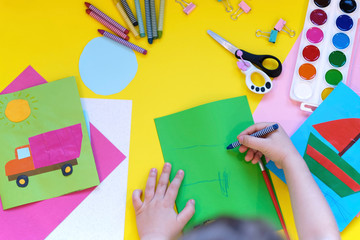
(243, 8)
(271, 35)
(187, 7)
(227, 5)
(280, 25)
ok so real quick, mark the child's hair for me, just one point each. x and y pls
(227, 228)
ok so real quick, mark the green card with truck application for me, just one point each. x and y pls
(44, 144)
(220, 181)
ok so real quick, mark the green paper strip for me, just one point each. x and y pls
(323, 174)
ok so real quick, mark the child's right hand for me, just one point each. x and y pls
(276, 146)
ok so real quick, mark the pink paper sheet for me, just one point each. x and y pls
(276, 106)
(37, 220)
(28, 78)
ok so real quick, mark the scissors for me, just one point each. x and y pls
(245, 63)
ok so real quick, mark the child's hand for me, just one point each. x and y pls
(155, 216)
(276, 146)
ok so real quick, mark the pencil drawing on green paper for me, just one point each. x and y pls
(220, 181)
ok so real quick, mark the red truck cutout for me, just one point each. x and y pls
(50, 151)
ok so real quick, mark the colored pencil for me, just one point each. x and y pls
(122, 41)
(139, 17)
(161, 18)
(148, 21)
(107, 24)
(257, 134)
(126, 18)
(129, 13)
(273, 198)
(106, 17)
(153, 19)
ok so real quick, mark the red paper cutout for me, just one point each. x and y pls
(340, 133)
(331, 167)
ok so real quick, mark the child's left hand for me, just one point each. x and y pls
(155, 216)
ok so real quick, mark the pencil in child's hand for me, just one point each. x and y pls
(260, 133)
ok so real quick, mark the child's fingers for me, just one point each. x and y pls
(253, 142)
(257, 157)
(249, 155)
(173, 189)
(163, 181)
(136, 198)
(243, 148)
(254, 128)
(150, 185)
(186, 214)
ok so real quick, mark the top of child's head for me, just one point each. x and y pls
(228, 228)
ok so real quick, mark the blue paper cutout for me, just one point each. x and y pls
(23, 153)
(86, 116)
(107, 67)
(341, 103)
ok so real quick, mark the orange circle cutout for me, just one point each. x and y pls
(17, 110)
(307, 71)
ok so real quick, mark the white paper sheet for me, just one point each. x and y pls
(102, 214)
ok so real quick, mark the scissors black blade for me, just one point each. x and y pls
(253, 58)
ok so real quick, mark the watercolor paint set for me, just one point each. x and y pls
(325, 50)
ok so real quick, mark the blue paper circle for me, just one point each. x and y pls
(341, 40)
(107, 67)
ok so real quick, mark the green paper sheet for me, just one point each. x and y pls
(53, 106)
(219, 180)
(323, 174)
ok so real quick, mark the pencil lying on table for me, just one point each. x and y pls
(126, 18)
(153, 19)
(107, 24)
(161, 18)
(122, 41)
(148, 21)
(107, 18)
(129, 13)
(139, 17)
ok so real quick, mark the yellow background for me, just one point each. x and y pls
(184, 69)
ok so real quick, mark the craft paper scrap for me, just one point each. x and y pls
(38, 219)
(28, 78)
(49, 123)
(219, 180)
(330, 168)
(112, 117)
(328, 140)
